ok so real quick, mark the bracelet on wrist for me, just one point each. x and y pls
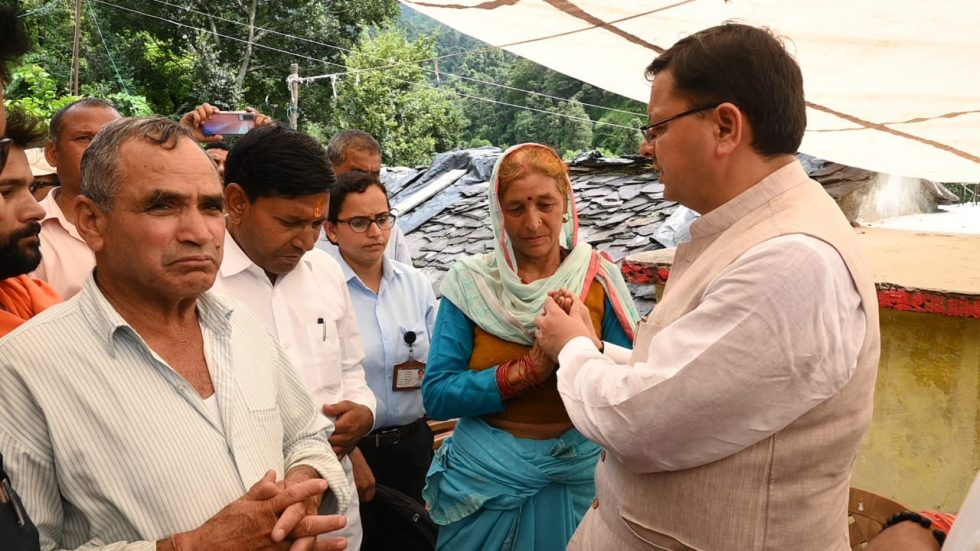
(908, 516)
(503, 373)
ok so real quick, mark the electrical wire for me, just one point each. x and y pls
(233, 38)
(372, 69)
(263, 46)
(91, 12)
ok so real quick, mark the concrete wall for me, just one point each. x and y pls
(922, 448)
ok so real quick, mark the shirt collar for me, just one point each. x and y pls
(390, 269)
(213, 311)
(235, 261)
(725, 216)
(52, 211)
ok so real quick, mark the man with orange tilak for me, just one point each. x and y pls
(276, 186)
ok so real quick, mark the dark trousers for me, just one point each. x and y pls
(401, 466)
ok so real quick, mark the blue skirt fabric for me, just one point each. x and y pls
(488, 489)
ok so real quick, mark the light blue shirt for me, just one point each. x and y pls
(405, 302)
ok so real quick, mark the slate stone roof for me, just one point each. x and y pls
(443, 207)
(620, 204)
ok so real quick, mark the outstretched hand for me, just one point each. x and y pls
(555, 328)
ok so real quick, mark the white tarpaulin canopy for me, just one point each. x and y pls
(891, 86)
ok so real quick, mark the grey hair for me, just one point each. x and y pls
(101, 162)
(350, 139)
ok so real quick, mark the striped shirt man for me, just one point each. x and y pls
(110, 447)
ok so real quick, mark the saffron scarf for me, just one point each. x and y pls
(21, 298)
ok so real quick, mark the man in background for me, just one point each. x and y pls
(358, 150)
(67, 260)
(218, 152)
(45, 175)
(21, 297)
(276, 185)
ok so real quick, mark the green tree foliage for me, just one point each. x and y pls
(34, 90)
(180, 53)
(492, 78)
(386, 93)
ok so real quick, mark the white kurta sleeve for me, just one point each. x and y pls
(777, 333)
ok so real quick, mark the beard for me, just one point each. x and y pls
(20, 259)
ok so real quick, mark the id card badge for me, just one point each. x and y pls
(408, 376)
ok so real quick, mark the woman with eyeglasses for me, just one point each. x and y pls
(395, 310)
(516, 474)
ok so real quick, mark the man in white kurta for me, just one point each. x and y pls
(298, 292)
(735, 421)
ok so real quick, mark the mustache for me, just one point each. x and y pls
(30, 230)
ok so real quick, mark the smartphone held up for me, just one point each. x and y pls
(229, 123)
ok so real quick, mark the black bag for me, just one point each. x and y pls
(17, 532)
(393, 521)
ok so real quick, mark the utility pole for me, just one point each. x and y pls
(293, 82)
(77, 48)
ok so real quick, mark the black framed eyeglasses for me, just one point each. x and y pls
(651, 130)
(360, 224)
(5, 144)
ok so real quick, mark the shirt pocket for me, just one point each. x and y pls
(322, 367)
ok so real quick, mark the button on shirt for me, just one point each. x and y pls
(66, 260)
(107, 444)
(404, 303)
(310, 312)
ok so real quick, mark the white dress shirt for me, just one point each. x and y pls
(328, 353)
(774, 335)
(110, 448)
(66, 260)
(309, 311)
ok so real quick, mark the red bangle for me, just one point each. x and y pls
(528, 373)
(502, 372)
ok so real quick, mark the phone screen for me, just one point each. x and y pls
(229, 123)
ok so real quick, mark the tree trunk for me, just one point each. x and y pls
(247, 58)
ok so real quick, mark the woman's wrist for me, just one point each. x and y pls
(516, 376)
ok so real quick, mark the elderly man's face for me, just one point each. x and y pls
(162, 239)
(20, 215)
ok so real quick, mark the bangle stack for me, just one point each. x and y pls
(526, 375)
(918, 519)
